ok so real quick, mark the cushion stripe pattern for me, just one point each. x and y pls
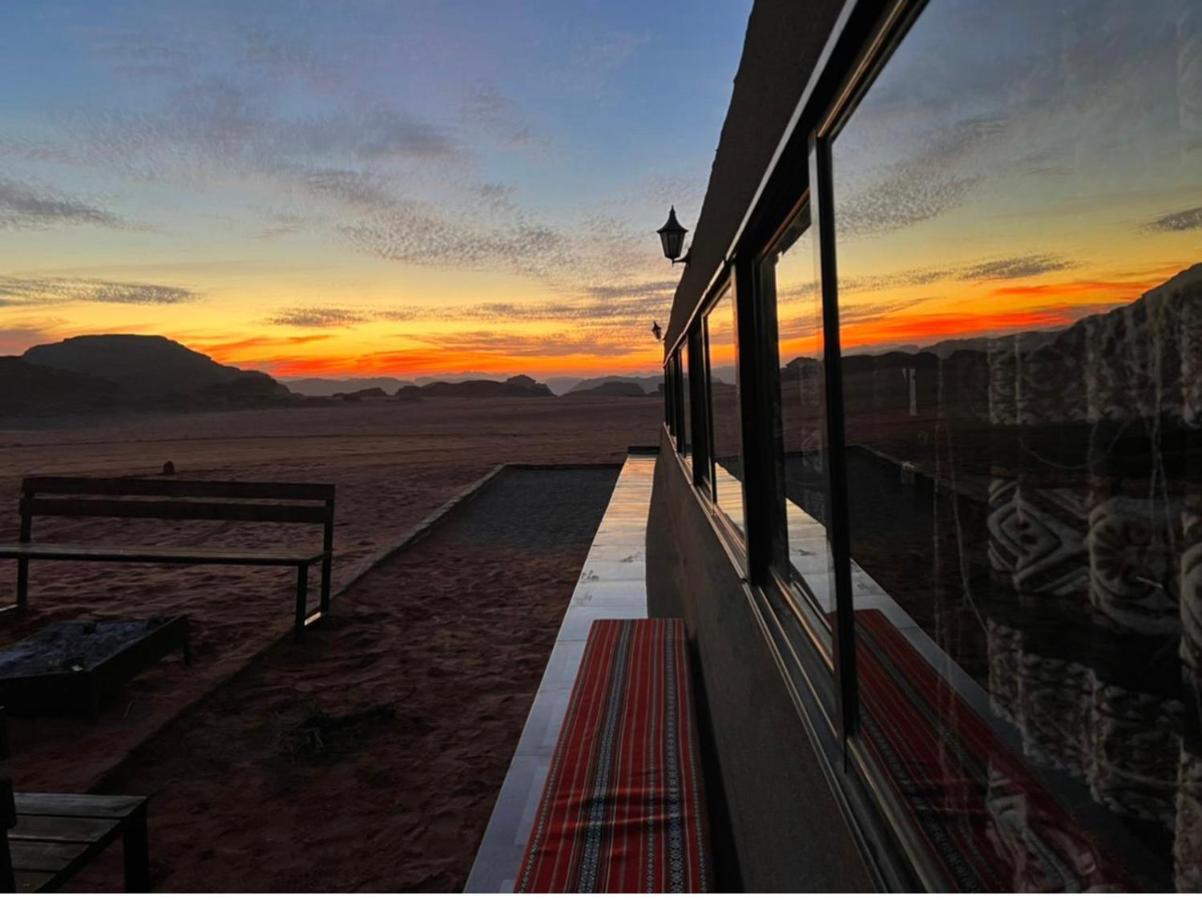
(623, 809)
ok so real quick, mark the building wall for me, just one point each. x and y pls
(776, 823)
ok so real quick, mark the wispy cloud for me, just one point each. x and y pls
(1182, 220)
(498, 115)
(505, 343)
(26, 206)
(54, 291)
(415, 232)
(319, 317)
(1010, 268)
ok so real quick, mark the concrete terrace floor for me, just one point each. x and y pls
(612, 585)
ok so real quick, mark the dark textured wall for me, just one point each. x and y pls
(776, 825)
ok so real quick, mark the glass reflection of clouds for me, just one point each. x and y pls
(1016, 203)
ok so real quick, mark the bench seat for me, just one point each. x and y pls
(56, 835)
(623, 808)
(167, 555)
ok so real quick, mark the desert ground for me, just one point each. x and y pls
(367, 757)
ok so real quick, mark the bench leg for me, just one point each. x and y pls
(302, 598)
(137, 854)
(327, 565)
(22, 584)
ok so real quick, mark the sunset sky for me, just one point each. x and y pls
(406, 188)
(350, 188)
(1015, 166)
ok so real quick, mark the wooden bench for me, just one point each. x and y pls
(46, 839)
(175, 500)
(623, 808)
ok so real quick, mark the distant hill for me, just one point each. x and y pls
(328, 387)
(142, 365)
(610, 389)
(129, 371)
(26, 389)
(371, 393)
(1105, 366)
(648, 384)
(518, 386)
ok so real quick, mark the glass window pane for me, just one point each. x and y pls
(686, 411)
(1017, 205)
(724, 404)
(803, 420)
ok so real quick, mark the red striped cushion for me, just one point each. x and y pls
(987, 822)
(623, 809)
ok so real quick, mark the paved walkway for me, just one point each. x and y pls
(612, 585)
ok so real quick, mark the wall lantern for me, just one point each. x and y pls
(672, 237)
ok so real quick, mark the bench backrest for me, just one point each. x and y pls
(152, 498)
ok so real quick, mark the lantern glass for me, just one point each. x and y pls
(672, 236)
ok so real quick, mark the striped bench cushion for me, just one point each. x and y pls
(623, 809)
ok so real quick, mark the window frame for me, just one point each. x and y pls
(795, 591)
(821, 682)
(722, 294)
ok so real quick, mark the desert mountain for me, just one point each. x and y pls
(143, 365)
(610, 389)
(129, 371)
(26, 389)
(648, 383)
(328, 387)
(518, 386)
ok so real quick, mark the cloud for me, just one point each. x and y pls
(504, 343)
(936, 178)
(25, 206)
(1182, 220)
(1016, 267)
(417, 233)
(665, 288)
(501, 117)
(373, 132)
(1010, 268)
(319, 317)
(359, 190)
(53, 291)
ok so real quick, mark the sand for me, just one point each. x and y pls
(467, 679)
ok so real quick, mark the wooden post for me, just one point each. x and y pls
(8, 810)
(302, 590)
(136, 844)
(327, 561)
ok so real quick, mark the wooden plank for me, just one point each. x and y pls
(175, 510)
(97, 806)
(32, 882)
(166, 555)
(62, 828)
(46, 856)
(155, 487)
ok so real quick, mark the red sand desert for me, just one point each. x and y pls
(380, 743)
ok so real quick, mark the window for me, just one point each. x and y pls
(790, 276)
(686, 406)
(669, 391)
(727, 426)
(1020, 304)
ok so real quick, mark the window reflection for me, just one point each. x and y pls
(791, 274)
(686, 410)
(724, 404)
(1017, 212)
